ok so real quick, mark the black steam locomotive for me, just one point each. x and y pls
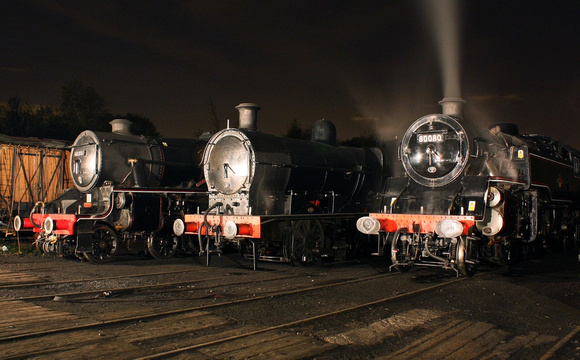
(128, 190)
(293, 200)
(462, 195)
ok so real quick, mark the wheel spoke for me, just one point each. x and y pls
(105, 244)
(162, 246)
(305, 237)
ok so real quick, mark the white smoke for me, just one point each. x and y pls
(443, 17)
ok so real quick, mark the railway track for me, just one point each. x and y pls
(34, 282)
(202, 317)
(13, 291)
(253, 296)
(296, 322)
(282, 313)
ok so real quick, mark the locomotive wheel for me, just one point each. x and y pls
(396, 251)
(105, 245)
(38, 241)
(466, 257)
(162, 246)
(306, 234)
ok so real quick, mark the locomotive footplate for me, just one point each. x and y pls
(301, 239)
(418, 222)
(245, 226)
(239, 226)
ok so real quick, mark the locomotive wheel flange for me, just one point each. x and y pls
(162, 246)
(466, 257)
(398, 260)
(306, 235)
(105, 245)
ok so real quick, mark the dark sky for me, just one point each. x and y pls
(306, 60)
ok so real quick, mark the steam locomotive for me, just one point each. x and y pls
(128, 190)
(462, 195)
(281, 199)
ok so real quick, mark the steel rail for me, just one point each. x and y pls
(299, 322)
(190, 309)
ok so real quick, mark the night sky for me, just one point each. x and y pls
(351, 62)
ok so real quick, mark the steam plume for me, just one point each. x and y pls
(443, 17)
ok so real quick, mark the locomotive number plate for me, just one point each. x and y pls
(430, 138)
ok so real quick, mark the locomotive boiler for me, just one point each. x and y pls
(128, 190)
(462, 195)
(293, 200)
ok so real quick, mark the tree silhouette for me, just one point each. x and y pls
(140, 125)
(84, 106)
(295, 131)
(214, 119)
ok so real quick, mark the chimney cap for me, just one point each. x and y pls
(452, 106)
(249, 105)
(248, 116)
(121, 126)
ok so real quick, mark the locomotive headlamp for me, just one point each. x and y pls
(230, 230)
(449, 228)
(17, 223)
(48, 225)
(368, 225)
(178, 227)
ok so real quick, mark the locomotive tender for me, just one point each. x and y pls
(128, 190)
(293, 200)
(462, 195)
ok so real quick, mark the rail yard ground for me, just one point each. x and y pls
(140, 308)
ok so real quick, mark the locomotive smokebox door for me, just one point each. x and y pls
(85, 163)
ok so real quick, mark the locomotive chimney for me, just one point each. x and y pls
(248, 116)
(121, 126)
(452, 106)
